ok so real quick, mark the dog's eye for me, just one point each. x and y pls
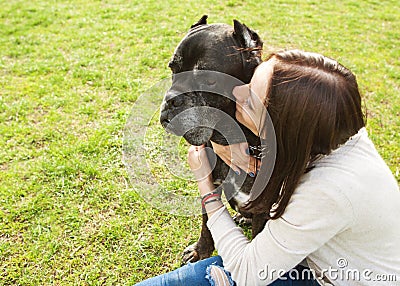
(211, 81)
(173, 66)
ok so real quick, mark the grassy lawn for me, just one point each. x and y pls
(70, 73)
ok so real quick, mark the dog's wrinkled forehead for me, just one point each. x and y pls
(207, 47)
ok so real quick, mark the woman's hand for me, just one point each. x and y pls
(200, 166)
(198, 163)
(237, 157)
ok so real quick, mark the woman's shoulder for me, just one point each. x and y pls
(352, 174)
(351, 163)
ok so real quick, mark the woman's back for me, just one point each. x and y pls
(368, 195)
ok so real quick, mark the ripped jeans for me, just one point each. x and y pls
(209, 272)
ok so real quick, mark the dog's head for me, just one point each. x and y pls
(203, 66)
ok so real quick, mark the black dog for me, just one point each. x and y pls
(233, 51)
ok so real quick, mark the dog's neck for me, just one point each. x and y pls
(236, 135)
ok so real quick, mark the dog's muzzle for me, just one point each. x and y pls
(183, 116)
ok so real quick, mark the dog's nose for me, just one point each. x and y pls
(164, 120)
(164, 113)
(173, 102)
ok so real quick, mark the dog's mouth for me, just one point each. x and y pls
(197, 135)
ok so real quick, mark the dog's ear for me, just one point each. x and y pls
(246, 37)
(202, 21)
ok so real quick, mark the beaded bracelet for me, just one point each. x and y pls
(208, 196)
(211, 201)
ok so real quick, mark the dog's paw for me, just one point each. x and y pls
(190, 254)
(195, 252)
(240, 220)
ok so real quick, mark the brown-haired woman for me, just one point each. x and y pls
(331, 199)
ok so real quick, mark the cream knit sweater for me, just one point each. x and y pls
(344, 218)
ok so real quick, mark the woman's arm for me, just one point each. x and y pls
(315, 214)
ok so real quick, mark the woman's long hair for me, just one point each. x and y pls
(315, 106)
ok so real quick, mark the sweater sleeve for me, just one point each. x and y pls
(313, 216)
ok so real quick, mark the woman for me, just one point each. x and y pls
(331, 198)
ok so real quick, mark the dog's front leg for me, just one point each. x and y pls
(201, 249)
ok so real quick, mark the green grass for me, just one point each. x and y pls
(70, 72)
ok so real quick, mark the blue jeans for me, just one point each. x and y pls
(210, 272)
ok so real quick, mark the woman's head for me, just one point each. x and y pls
(315, 106)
